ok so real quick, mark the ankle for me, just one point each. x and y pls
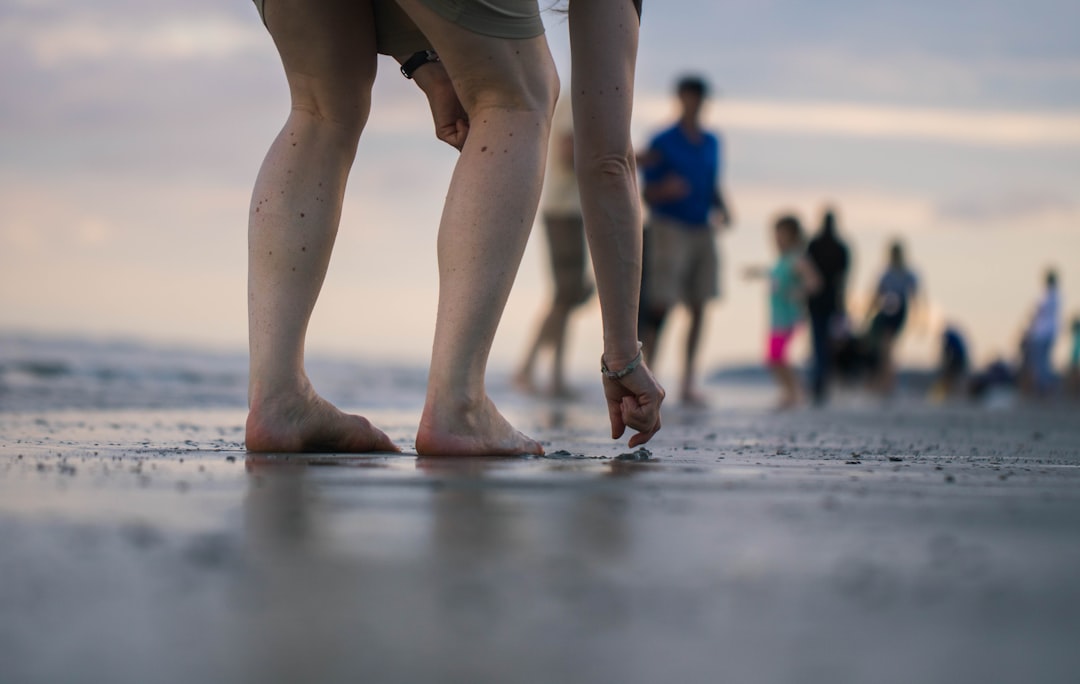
(270, 394)
(459, 404)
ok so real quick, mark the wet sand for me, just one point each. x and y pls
(847, 545)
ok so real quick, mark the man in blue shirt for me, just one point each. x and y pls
(686, 207)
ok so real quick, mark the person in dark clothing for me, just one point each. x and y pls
(829, 256)
(954, 366)
(894, 298)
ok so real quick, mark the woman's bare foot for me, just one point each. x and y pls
(476, 430)
(307, 423)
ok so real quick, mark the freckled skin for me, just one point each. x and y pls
(310, 157)
(510, 85)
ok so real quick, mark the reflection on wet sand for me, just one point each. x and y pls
(481, 545)
(919, 540)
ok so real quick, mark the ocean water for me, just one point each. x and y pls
(42, 373)
(55, 373)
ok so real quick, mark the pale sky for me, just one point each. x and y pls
(131, 132)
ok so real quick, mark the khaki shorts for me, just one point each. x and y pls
(683, 264)
(514, 19)
(395, 33)
(569, 257)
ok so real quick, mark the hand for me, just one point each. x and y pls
(754, 272)
(721, 221)
(634, 401)
(451, 121)
(673, 188)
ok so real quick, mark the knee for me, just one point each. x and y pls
(338, 108)
(531, 86)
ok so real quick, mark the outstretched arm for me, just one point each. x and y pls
(604, 52)
(722, 208)
(755, 272)
(809, 278)
(603, 41)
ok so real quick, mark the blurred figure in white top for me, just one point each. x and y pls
(561, 210)
(1040, 338)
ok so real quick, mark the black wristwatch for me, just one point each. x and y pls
(418, 60)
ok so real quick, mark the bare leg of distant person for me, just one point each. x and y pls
(566, 248)
(886, 380)
(651, 334)
(691, 395)
(552, 335)
(328, 51)
(789, 385)
(508, 88)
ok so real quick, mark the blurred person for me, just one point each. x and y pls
(492, 77)
(954, 365)
(894, 297)
(792, 280)
(682, 169)
(996, 381)
(1073, 374)
(1040, 337)
(567, 255)
(827, 307)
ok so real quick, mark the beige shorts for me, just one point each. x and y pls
(514, 19)
(683, 264)
(569, 258)
(395, 33)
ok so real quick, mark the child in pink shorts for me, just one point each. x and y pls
(791, 280)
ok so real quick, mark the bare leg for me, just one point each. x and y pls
(551, 335)
(546, 337)
(508, 89)
(789, 386)
(567, 249)
(651, 335)
(523, 379)
(561, 315)
(566, 255)
(690, 394)
(328, 52)
(887, 372)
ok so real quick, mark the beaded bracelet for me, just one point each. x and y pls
(619, 374)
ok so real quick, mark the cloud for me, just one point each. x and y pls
(1018, 209)
(207, 38)
(53, 37)
(855, 120)
(860, 209)
(888, 210)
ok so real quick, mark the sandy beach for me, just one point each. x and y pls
(847, 545)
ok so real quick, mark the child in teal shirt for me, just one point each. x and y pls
(791, 280)
(1073, 381)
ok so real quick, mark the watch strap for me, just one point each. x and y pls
(418, 59)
